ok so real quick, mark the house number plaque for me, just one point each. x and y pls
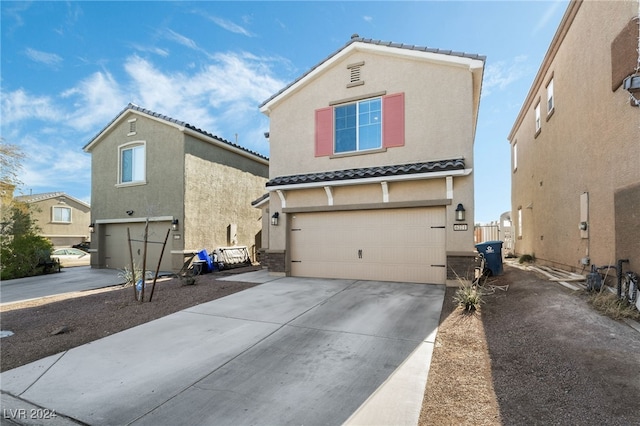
(460, 227)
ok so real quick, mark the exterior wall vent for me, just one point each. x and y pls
(132, 127)
(355, 74)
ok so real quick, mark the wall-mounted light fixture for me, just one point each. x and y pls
(274, 218)
(92, 228)
(632, 84)
(174, 225)
(460, 212)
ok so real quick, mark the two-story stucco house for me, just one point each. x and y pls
(371, 160)
(575, 144)
(147, 167)
(63, 219)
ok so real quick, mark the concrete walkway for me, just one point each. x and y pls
(289, 351)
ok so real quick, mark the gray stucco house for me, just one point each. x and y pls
(149, 167)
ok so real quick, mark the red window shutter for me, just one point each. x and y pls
(393, 120)
(324, 131)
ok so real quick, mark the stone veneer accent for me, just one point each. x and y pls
(461, 264)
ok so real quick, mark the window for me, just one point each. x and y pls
(515, 156)
(538, 117)
(132, 163)
(550, 103)
(366, 124)
(519, 222)
(358, 126)
(61, 214)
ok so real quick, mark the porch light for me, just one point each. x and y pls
(174, 225)
(460, 212)
(92, 228)
(274, 219)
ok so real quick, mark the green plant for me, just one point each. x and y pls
(23, 251)
(527, 258)
(469, 297)
(127, 275)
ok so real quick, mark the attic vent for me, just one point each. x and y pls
(355, 74)
(132, 127)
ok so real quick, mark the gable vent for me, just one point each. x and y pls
(132, 127)
(355, 74)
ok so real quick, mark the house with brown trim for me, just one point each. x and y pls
(575, 145)
(371, 165)
(61, 218)
(183, 184)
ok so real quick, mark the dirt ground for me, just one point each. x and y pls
(537, 353)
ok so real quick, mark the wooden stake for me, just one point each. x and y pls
(144, 260)
(133, 271)
(153, 286)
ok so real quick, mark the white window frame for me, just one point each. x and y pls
(519, 222)
(142, 178)
(550, 98)
(538, 123)
(53, 214)
(357, 126)
(515, 156)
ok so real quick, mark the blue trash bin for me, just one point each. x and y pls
(492, 251)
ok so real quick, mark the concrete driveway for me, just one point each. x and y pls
(289, 351)
(68, 280)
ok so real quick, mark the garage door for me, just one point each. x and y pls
(116, 254)
(388, 245)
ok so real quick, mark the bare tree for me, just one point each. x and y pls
(11, 157)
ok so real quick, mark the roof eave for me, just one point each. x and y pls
(473, 62)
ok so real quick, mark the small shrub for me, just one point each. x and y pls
(609, 304)
(527, 258)
(469, 297)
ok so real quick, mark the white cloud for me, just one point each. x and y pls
(20, 105)
(368, 18)
(96, 100)
(180, 39)
(548, 14)
(46, 58)
(230, 26)
(499, 75)
(151, 49)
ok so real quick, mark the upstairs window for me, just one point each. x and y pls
(515, 156)
(132, 163)
(358, 126)
(61, 214)
(538, 126)
(364, 125)
(550, 100)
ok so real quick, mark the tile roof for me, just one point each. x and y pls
(356, 38)
(33, 198)
(370, 172)
(134, 107)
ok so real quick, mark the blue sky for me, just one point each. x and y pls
(68, 68)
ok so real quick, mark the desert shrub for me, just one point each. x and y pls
(609, 304)
(469, 297)
(22, 248)
(527, 258)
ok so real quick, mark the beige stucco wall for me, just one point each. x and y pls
(589, 144)
(439, 124)
(217, 196)
(204, 186)
(62, 234)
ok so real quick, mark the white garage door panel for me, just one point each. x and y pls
(387, 245)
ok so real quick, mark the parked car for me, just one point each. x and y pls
(84, 246)
(71, 257)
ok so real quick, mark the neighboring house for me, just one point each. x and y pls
(371, 156)
(149, 167)
(576, 144)
(62, 219)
